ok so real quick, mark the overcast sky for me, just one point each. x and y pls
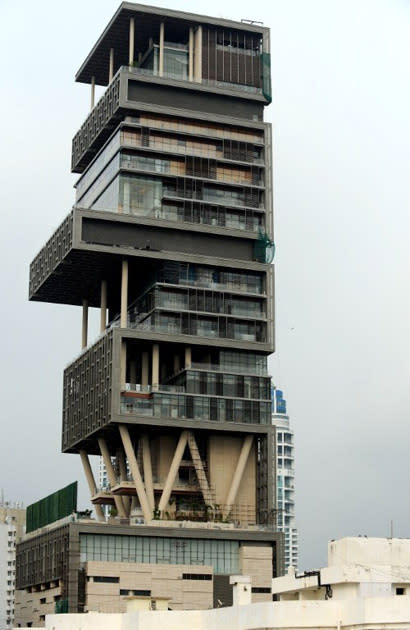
(340, 114)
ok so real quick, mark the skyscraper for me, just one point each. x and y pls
(12, 521)
(285, 478)
(170, 238)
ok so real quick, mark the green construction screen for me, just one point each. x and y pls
(52, 508)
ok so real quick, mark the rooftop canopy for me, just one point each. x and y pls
(147, 26)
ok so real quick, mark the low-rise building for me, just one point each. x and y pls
(366, 585)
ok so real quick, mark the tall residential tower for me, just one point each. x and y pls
(170, 238)
(285, 478)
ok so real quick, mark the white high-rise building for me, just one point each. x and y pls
(285, 478)
(12, 520)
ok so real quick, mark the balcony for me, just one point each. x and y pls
(195, 407)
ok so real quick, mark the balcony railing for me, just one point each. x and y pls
(236, 87)
(187, 406)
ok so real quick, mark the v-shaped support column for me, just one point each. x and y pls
(135, 472)
(173, 470)
(238, 474)
(111, 476)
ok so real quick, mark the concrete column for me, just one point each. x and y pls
(111, 476)
(161, 49)
(133, 372)
(237, 477)
(136, 475)
(198, 55)
(122, 466)
(103, 312)
(144, 368)
(131, 42)
(124, 294)
(155, 365)
(92, 103)
(84, 332)
(146, 458)
(111, 66)
(173, 470)
(125, 207)
(191, 55)
(188, 357)
(123, 363)
(177, 363)
(91, 483)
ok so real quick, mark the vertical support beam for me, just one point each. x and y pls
(161, 49)
(103, 303)
(238, 474)
(146, 458)
(84, 332)
(123, 363)
(92, 102)
(136, 475)
(188, 357)
(145, 369)
(133, 372)
(91, 483)
(155, 366)
(111, 476)
(191, 54)
(131, 42)
(173, 470)
(122, 466)
(124, 294)
(199, 469)
(198, 55)
(111, 66)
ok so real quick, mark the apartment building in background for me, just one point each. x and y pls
(12, 522)
(171, 238)
(285, 478)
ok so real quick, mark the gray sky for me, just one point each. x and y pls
(341, 128)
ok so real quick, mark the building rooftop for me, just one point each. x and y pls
(147, 21)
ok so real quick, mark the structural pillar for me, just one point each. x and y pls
(131, 42)
(103, 312)
(198, 54)
(145, 369)
(111, 476)
(188, 357)
(238, 474)
(124, 294)
(122, 467)
(155, 366)
(146, 458)
(91, 483)
(84, 332)
(161, 49)
(191, 55)
(173, 470)
(133, 372)
(136, 475)
(111, 66)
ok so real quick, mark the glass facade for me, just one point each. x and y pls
(222, 555)
(197, 408)
(177, 169)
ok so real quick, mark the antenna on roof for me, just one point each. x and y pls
(251, 22)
